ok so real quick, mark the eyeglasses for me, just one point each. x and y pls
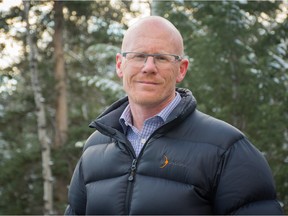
(139, 59)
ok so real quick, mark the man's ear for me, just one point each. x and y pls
(118, 65)
(183, 70)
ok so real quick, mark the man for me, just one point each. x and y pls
(153, 152)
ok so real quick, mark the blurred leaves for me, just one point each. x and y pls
(238, 72)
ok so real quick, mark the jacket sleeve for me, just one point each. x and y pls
(245, 183)
(77, 193)
(69, 211)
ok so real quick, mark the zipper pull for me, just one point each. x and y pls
(132, 170)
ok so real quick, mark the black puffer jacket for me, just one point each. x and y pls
(194, 164)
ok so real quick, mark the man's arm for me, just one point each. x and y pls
(245, 183)
(77, 193)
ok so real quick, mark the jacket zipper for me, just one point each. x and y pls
(132, 170)
(130, 185)
(132, 173)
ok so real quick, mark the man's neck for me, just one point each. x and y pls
(141, 113)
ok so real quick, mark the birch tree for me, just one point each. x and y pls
(41, 117)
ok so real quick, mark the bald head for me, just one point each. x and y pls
(153, 27)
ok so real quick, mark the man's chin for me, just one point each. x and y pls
(144, 99)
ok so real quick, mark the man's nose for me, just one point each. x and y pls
(150, 62)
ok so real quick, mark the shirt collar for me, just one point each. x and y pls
(126, 117)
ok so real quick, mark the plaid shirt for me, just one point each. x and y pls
(139, 138)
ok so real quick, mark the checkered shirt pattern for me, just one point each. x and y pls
(139, 138)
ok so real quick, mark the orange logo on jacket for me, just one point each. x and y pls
(166, 161)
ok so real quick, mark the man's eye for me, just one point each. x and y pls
(162, 58)
(139, 56)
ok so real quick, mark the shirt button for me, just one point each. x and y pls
(143, 141)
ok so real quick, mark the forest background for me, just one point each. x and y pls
(57, 73)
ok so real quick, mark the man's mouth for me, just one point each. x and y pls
(148, 82)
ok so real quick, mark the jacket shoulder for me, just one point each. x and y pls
(96, 138)
(214, 131)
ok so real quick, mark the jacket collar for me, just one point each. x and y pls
(108, 122)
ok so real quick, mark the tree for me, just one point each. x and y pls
(91, 82)
(237, 52)
(41, 117)
(61, 126)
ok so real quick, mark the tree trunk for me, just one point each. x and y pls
(153, 7)
(41, 119)
(60, 77)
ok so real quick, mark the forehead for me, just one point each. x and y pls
(152, 35)
(150, 43)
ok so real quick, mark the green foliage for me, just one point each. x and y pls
(21, 176)
(92, 85)
(238, 72)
